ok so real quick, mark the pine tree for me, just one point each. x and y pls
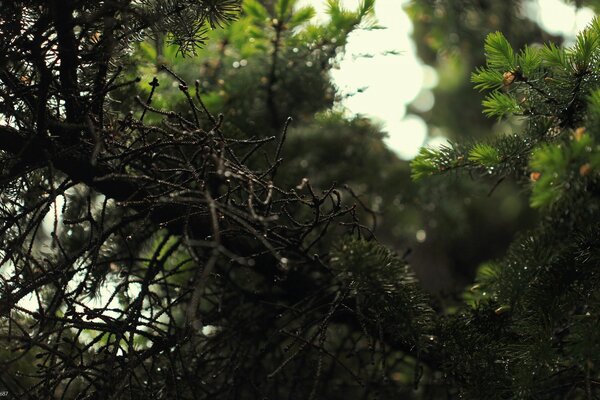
(530, 332)
(166, 258)
(147, 249)
(323, 144)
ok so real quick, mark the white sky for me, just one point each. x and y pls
(393, 81)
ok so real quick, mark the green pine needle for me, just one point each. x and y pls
(424, 164)
(485, 155)
(485, 79)
(529, 60)
(254, 9)
(499, 52)
(586, 45)
(386, 289)
(500, 105)
(302, 16)
(594, 103)
(554, 56)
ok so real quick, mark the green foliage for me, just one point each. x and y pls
(277, 53)
(527, 330)
(554, 56)
(563, 168)
(551, 162)
(529, 61)
(594, 103)
(500, 105)
(586, 48)
(343, 19)
(499, 52)
(302, 16)
(239, 282)
(487, 274)
(503, 155)
(485, 155)
(387, 291)
(254, 9)
(552, 87)
(283, 8)
(487, 79)
(167, 253)
(425, 163)
(186, 25)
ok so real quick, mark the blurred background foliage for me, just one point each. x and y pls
(275, 62)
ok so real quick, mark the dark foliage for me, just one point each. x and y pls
(151, 253)
(146, 260)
